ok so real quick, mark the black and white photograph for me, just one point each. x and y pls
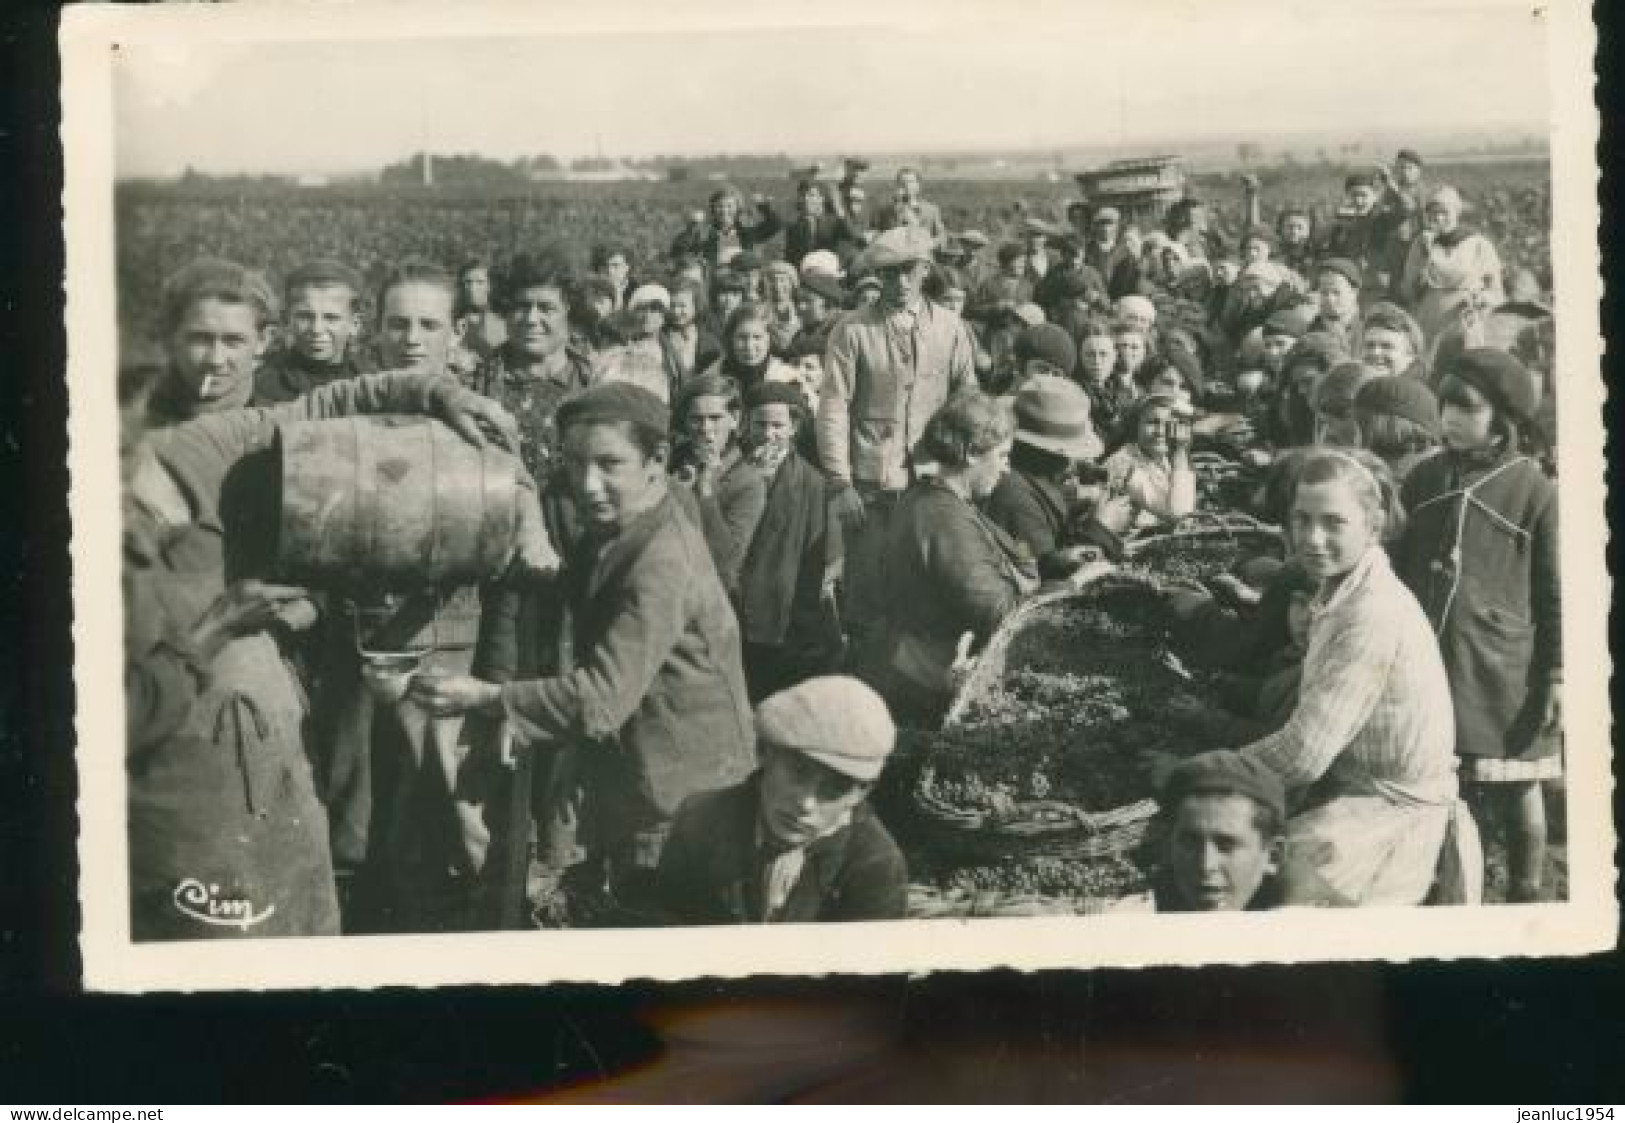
(649, 491)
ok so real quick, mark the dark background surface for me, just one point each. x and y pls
(1536, 1033)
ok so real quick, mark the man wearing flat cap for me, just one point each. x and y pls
(796, 842)
(1226, 816)
(888, 368)
(1404, 192)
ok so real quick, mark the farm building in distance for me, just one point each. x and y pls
(1142, 188)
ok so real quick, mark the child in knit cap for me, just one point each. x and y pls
(1334, 404)
(1399, 421)
(1479, 550)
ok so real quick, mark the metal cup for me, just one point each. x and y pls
(388, 676)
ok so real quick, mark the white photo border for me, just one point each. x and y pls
(92, 35)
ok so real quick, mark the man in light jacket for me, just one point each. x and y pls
(888, 368)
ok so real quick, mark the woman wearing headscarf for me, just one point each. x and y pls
(1450, 266)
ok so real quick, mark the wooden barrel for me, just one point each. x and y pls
(399, 501)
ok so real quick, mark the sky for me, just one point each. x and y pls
(300, 89)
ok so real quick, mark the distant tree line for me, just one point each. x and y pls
(466, 169)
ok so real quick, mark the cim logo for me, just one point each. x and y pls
(204, 903)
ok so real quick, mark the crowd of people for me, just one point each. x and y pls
(779, 487)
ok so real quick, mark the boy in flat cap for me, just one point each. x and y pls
(1226, 835)
(796, 841)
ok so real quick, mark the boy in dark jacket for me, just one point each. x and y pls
(796, 841)
(650, 704)
(784, 596)
(321, 326)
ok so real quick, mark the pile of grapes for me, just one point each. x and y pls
(1199, 558)
(1102, 878)
(1088, 687)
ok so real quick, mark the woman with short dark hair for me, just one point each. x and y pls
(950, 572)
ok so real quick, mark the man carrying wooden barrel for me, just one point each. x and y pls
(227, 838)
(415, 804)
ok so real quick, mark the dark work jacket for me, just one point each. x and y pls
(851, 236)
(286, 375)
(948, 570)
(711, 871)
(656, 697)
(783, 575)
(1363, 239)
(1047, 292)
(1116, 266)
(1492, 594)
(799, 241)
(1034, 511)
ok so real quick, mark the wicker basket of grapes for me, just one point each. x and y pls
(1205, 546)
(1040, 755)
